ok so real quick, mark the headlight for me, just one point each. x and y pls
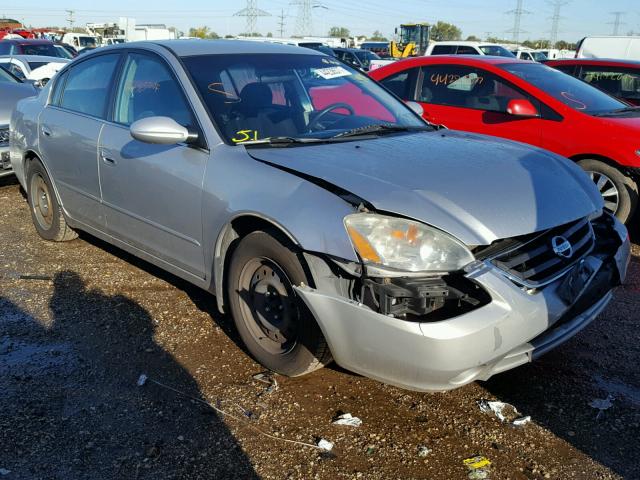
(404, 244)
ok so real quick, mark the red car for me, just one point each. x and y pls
(620, 78)
(532, 103)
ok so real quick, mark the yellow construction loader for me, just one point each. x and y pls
(413, 40)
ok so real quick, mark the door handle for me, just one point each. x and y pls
(45, 131)
(107, 157)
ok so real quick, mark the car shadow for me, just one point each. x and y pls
(71, 406)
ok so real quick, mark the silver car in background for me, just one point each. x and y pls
(327, 218)
(12, 89)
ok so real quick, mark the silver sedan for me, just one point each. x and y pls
(322, 212)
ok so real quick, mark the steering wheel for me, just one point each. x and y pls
(334, 106)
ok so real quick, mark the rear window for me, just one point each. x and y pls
(443, 50)
(47, 50)
(496, 50)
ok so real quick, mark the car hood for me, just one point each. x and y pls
(10, 93)
(477, 188)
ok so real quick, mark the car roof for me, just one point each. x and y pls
(468, 59)
(39, 58)
(596, 61)
(192, 47)
(470, 43)
(27, 41)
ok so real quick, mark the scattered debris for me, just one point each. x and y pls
(142, 379)
(269, 379)
(478, 467)
(423, 451)
(35, 277)
(602, 404)
(371, 449)
(505, 412)
(347, 419)
(325, 445)
(4, 471)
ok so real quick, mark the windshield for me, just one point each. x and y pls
(256, 96)
(62, 52)
(365, 57)
(496, 50)
(46, 49)
(87, 41)
(565, 88)
(6, 77)
(539, 56)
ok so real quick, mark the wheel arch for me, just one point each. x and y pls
(29, 156)
(237, 228)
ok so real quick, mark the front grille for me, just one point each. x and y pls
(4, 136)
(531, 260)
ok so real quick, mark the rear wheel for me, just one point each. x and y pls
(45, 211)
(619, 192)
(274, 324)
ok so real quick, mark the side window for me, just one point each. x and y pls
(615, 81)
(568, 69)
(400, 83)
(443, 50)
(5, 48)
(147, 88)
(466, 87)
(57, 89)
(88, 85)
(17, 71)
(467, 50)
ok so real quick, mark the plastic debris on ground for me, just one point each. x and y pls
(602, 404)
(347, 419)
(325, 445)
(423, 451)
(4, 471)
(505, 412)
(142, 379)
(267, 378)
(478, 467)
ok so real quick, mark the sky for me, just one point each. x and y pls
(481, 18)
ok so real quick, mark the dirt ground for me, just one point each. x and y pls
(81, 321)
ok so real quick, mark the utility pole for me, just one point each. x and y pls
(617, 22)
(304, 23)
(517, 17)
(70, 19)
(555, 20)
(281, 23)
(252, 12)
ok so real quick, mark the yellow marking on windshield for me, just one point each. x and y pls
(245, 136)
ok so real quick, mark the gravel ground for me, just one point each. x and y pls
(80, 321)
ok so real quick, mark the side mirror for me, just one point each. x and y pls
(160, 130)
(416, 107)
(521, 107)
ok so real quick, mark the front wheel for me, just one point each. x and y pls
(274, 324)
(619, 192)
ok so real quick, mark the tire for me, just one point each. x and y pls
(608, 179)
(274, 323)
(46, 213)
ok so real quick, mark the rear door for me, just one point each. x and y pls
(474, 100)
(153, 193)
(69, 130)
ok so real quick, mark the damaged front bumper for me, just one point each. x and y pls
(516, 326)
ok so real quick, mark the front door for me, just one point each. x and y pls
(153, 193)
(474, 100)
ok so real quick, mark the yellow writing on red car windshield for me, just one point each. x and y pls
(245, 136)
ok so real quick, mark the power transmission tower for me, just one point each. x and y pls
(555, 20)
(70, 19)
(281, 23)
(304, 23)
(517, 17)
(252, 12)
(617, 22)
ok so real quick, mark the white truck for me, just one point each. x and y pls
(625, 48)
(80, 41)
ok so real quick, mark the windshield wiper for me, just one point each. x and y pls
(282, 141)
(619, 111)
(382, 128)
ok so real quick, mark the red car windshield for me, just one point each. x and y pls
(565, 88)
